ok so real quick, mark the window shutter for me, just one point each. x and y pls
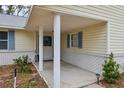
(68, 41)
(80, 34)
(11, 40)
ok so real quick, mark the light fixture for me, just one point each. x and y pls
(97, 76)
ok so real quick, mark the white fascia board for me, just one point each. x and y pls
(11, 27)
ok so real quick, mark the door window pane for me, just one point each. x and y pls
(47, 40)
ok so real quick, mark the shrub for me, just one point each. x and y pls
(111, 70)
(22, 63)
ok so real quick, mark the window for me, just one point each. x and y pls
(3, 40)
(47, 40)
(74, 40)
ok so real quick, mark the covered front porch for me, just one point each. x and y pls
(71, 76)
(70, 43)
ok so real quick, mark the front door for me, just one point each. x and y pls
(47, 48)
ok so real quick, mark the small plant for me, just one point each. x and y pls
(111, 70)
(22, 63)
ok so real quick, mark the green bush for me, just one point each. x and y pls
(111, 70)
(22, 63)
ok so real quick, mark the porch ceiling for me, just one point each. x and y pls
(68, 22)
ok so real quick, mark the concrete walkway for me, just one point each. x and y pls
(71, 76)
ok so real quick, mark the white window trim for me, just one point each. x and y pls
(71, 40)
(6, 40)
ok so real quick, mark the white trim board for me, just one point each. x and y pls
(11, 27)
(108, 38)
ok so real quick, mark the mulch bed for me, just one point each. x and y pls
(118, 84)
(32, 80)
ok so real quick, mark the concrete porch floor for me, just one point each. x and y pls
(71, 76)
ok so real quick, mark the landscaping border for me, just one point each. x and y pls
(41, 75)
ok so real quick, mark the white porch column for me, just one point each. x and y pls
(56, 51)
(40, 48)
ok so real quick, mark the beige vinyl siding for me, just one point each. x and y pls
(113, 14)
(94, 39)
(25, 40)
(25, 44)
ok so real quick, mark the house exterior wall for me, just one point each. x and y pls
(115, 39)
(85, 61)
(92, 55)
(114, 15)
(7, 57)
(94, 39)
(25, 44)
(25, 40)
